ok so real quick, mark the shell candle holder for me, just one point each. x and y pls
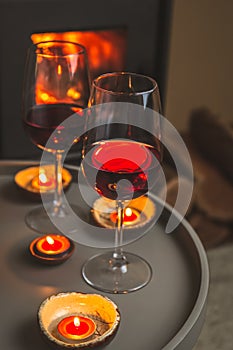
(78, 321)
(38, 179)
(51, 249)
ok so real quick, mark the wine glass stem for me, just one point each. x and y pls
(119, 260)
(57, 201)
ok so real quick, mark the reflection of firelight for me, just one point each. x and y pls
(106, 49)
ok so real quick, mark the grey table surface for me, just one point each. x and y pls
(166, 309)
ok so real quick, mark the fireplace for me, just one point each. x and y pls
(119, 35)
(106, 49)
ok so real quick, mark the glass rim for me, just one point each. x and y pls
(81, 48)
(136, 93)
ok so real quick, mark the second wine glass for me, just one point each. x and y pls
(56, 86)
(119, 159)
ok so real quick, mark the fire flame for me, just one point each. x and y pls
(76, 321)
(106, 50)
(44, 96)
(42, 177)
(50, 240)
(128, 212)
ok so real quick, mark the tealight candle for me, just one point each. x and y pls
(76, 327)
(52, 248)
(73, 320)
(130, 216)
(41, 179)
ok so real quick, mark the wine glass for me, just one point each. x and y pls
(119, 159)
(56, 86)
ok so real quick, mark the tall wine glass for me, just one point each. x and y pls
(118, 160)
(56, 86)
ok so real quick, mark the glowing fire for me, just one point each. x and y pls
(59, 69)
(73, 94)
(76, 321)
(44, 96)
(106, 49)
(50, 240)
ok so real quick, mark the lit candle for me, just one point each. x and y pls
(53, 244)
(51, 248)
(43, 182)
(76, 327)
(130, 216)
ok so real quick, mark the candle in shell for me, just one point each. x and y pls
(73, 320)
(76, 327)
(51, 247)
(41, 179)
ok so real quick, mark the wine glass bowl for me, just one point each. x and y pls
(56, 86)
(121, 161)
(123, 168)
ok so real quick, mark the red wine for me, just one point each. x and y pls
(42, 120)
(108, 162)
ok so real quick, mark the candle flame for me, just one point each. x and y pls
(50, 240)
(42, 177)
(128, 212)
(76, 321)
(59, 69)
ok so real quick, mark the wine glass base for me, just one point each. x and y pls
(99, 272)
(39, 220)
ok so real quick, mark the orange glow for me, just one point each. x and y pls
(106, 49)
(43, 96)
(59, 69)
(73, 93)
